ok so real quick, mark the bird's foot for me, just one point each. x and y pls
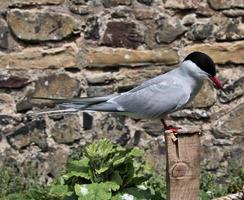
(172, 129)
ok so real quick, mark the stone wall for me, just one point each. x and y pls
(70, 48)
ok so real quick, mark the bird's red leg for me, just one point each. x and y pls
(171, 128)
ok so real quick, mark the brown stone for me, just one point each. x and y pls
(232, 124)
(182, 4)
(20, 3)
(40, 58)
(221, 53)
(13, 82)
(16, 3)
(206, 96)
(57, 85)
(67, 131)
(56, 161)
(7, 104)
(122, 34)
(144, 14)
(131, 78)
(234, 13)
(226, 4)
(104, 57)
(41, 25)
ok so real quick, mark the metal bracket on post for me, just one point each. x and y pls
(183, 164)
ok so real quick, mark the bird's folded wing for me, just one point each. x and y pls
(153, 101)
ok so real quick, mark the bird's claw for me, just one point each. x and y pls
(173, 129)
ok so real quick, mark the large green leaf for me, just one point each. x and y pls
(59, 191)
(76, 174)
(78, 165)
(94, 191)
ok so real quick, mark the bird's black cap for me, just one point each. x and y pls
(203, 61)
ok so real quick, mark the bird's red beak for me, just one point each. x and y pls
(217, 82)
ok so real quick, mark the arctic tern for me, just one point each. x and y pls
(154, 98)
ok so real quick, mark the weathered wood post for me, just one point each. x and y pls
(183, 164)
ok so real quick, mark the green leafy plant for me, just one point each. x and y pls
(213, 186)
(105, 171)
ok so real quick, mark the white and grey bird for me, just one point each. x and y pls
(154, 98)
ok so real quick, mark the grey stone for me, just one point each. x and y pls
(41, 26)
(87, 121)
(113, 3)
(100, 90)
(113, 127)
(198, 114)
(169, 30)
(80, 9)
(188, 20)
(213, 156)
(121, 13)
(153, 128)
(8, 123)
(67, 131)
(3, 35)
(201, 31)
(31, 132)
(222, 142)
(232, 124)
(79, 2)
(99, 77)
(233, 91)
(233, 29)
(92, 28)
(146, 2)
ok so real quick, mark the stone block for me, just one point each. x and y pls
(41, 58)
(221, 53)
(122, 34)
(67, 131)
(56, 85)
(226, 4)
(169, 29)
(13, 82)
(108, 57)
(38, 26)
(31, 132)
(182, 4)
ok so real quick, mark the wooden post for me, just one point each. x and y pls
(183, 164)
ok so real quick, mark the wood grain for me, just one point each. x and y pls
(183, 165)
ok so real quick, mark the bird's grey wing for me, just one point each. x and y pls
(153, 101)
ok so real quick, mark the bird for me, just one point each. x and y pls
(155, 98)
